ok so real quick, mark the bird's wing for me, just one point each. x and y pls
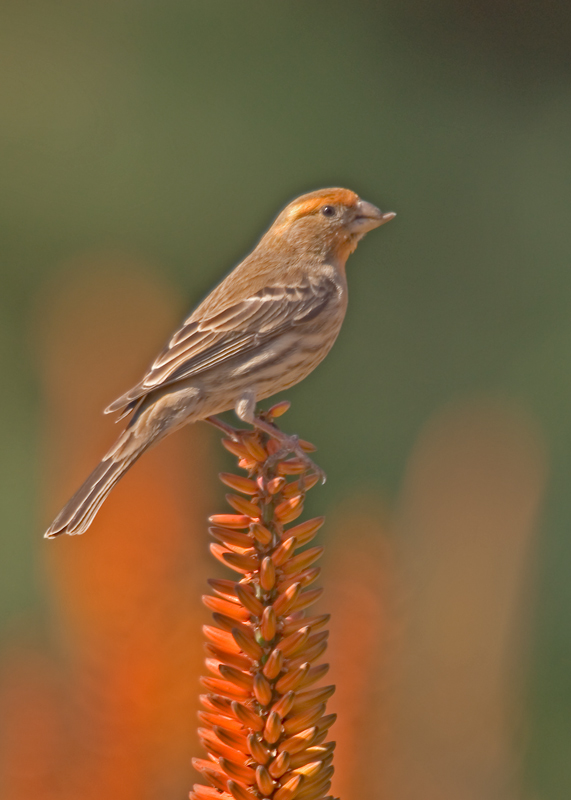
(201, 344)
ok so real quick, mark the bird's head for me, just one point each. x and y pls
(328, 221)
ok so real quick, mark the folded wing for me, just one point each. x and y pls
(201, 344)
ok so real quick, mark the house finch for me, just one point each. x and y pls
(264, 328)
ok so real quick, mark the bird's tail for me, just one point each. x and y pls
(78, 514)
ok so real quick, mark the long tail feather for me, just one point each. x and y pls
(77, 515)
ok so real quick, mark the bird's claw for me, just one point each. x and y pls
(290, 446)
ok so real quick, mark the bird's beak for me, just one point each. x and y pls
(369, 217)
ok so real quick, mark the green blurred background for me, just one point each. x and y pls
(173, 132)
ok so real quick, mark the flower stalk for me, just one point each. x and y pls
(264, 723)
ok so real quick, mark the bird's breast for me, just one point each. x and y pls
(292, 356)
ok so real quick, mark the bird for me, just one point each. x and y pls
(264, 328)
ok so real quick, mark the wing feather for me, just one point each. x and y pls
(201, 344)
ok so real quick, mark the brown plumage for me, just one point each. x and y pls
(265, 327)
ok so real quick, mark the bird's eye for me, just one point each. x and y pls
(328, 211)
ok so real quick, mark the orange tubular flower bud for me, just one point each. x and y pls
(326, 722)
(286, 599)
(225, 688)
(283, 551)
(293, 624)
(313, 675)
(230, 520)
(245, 642)
(221, 639)
(293, 466)
(280, 764)
(304, 560)
(239, 792)
(293, 679)
(238, 772)
(261, 533)
(310, 770)
(298, 742)
(308, 576)
(255, 450)
(264, 728)
(224, 607)
(221, 552)
(208, 793)
(218, 779)
(262, 689)
(231, 738)
(317, 638)
(212, 772)
(212, 664)
(300, 486)
(320, 736)
(268, 624)
(247, 596)
(267, 574)
(272, 447)
(299, 722)
(202, 763)
(279, 408)
(224, 588)
(273, 728)
(258, 750)
(212, 720)
(290, 789)
(284, 705)
(242, 679)
(304, 700)
(218, 748)
(231, 539)
(227, 623)
(243, 639)
(236, 448)
(239, 562)
(312, 753)
(238, 483)
(308, 654)
(294, 642)
(319, 783)
(216, 704)
(247, 716)
(264, 781)
(276, 485)
(243, 506)
(315, 791)
(274, 664)
(288, 510)
(305, 531)
(207, 718)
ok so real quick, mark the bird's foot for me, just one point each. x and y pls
(246, 411)
(289, 445)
